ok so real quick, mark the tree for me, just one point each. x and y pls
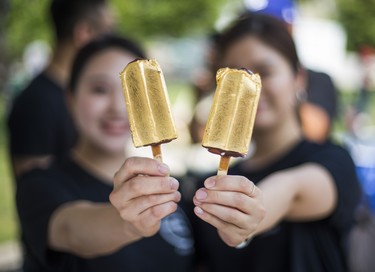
(25, 21)
(358, 19)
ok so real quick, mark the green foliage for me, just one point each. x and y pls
(358, 19)
(8, 219)
(141, 19)
(145, 18)
(26, 21)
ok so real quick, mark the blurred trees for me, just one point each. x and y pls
(28, 20)
(167, 17)
(25, 22)
(358, 19)
(3, 58)
(22, 22)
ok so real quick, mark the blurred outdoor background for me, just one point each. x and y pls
(333, 36)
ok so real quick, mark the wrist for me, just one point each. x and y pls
(130, 233)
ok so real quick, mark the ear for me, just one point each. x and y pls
(301, 78)
(301, 82)
(82, 34)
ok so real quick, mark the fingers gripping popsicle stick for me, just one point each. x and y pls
(230, 123)
(147, 103)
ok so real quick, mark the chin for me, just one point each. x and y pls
(114, 150)
(113, 145)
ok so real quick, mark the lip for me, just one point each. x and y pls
(115, 127)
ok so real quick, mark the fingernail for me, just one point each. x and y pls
(196, 202)
(201, 195)
(198, 210)
(163, 168)
(178, 196)
(209, 183)
(174, 183)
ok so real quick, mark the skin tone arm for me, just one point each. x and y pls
(22, 164)
(300, 194)
(316, 122)
(304, 193)
(143, 194)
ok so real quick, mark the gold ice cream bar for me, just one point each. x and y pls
(147, 103)
(230, 123)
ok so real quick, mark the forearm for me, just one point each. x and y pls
(22, 164)
(89, 230)
(304, 193)
(279, 194)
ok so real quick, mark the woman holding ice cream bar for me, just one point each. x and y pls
(310, 191)
(67, 220)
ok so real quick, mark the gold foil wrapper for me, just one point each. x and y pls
(147, 103)
(230, 123)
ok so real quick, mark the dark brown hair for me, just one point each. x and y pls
(90, 50)
(268, 29)
(66, 14)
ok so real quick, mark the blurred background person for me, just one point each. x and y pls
(66, 218)
(366, 54)
(40, 127)
(310, 190)
(360, 140)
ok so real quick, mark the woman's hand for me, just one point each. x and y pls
(232, 204)
(143, 194)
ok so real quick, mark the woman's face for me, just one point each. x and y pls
(98, 103)
(279, 84)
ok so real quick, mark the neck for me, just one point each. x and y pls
(270, 145)
(103, 165)
(60, 64)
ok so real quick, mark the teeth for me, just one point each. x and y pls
(147, 103)
(231, 120)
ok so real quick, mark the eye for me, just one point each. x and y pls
(264, 73)
(100, 89)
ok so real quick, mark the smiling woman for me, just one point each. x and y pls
(310, 191)
(67, 221)
(99, 106)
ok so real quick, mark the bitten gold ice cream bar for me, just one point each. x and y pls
(230, 123)
(147, 103)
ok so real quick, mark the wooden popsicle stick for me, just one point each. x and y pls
(223, 166)
(156, 152)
